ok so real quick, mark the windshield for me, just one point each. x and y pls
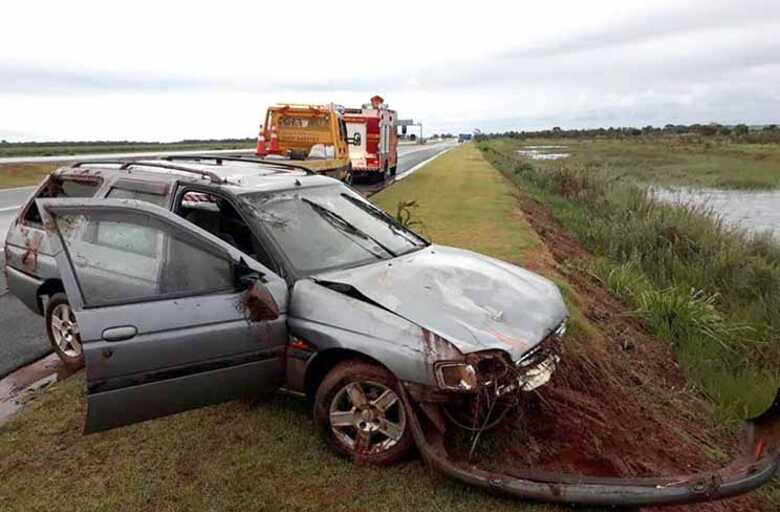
(331, 227)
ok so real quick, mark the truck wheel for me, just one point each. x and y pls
(360, 414)
(349, 179)
(63, 331)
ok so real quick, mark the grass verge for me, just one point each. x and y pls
(23, 175)
(710, 291)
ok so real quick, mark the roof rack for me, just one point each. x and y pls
(85, 162)
(214, 177)
(239, 158)
(126, 164)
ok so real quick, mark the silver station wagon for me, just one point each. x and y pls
(194, 280)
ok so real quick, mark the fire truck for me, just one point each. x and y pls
(313, 135)
(374, 126)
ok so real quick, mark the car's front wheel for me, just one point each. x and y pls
(360, 414)
(63, 331)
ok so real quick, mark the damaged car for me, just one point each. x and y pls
(214, 278)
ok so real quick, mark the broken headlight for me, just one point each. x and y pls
(456, 376)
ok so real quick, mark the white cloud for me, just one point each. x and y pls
(172, 70)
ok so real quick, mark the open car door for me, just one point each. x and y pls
(170, 317)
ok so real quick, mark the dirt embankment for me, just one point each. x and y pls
(619, 405)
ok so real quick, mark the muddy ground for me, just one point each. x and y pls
(619, 405)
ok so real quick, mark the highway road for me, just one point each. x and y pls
(23, 334)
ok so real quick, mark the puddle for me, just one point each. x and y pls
(543, 152)
(16, 387)
(756, 212)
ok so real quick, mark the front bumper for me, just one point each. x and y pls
(755, 465)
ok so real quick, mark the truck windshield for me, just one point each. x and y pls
(330, 227)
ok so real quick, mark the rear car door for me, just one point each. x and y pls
(171, 317)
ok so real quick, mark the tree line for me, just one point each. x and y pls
(738, 133)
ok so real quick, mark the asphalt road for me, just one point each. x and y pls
(23, 333)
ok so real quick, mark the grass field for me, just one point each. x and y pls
(22, 175)
(267, 457)
(670, 161)
(711, 291)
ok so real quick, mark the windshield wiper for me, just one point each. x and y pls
(395, 227)
(343, 224)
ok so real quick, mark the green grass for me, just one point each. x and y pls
(21, 175)
(463, 202)
(708, 289)
(235, 456)
(668, 161)
(267, 457)
(711, 291)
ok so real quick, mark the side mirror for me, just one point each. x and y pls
(354, 140)
(256, 303)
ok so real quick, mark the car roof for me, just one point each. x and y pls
(238, 175)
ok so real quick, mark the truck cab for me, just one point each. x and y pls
(313, 135)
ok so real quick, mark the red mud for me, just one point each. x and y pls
(618, 405)
(28, 378)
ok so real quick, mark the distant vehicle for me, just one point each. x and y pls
(377, 154)
(463, 137)
(315, 135)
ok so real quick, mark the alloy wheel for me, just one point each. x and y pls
(65, 330)
(367, 417)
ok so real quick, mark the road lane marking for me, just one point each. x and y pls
(423, 163)
(28, 187)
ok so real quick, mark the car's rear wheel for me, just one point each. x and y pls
(63, 331)
(361, 415)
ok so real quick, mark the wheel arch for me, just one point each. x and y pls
(48, 288)
(325, 361)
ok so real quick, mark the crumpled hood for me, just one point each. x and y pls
(473, 301)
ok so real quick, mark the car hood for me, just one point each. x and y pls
(473, 301)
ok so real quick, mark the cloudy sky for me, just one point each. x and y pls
(165, 70)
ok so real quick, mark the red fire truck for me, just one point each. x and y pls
(377, 154)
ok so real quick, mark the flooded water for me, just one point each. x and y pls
(543, 152)
(756, 212)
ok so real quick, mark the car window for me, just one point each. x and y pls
(217, 215)
(329, 227)
(57, 186)
(126, 193)
(130, 256)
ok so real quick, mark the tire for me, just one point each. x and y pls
(362, 435)
(63, 332)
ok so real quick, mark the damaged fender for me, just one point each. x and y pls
(755, 465)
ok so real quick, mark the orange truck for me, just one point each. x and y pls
(375, 156)
(313, 135)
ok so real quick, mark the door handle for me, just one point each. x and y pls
(122, 333)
